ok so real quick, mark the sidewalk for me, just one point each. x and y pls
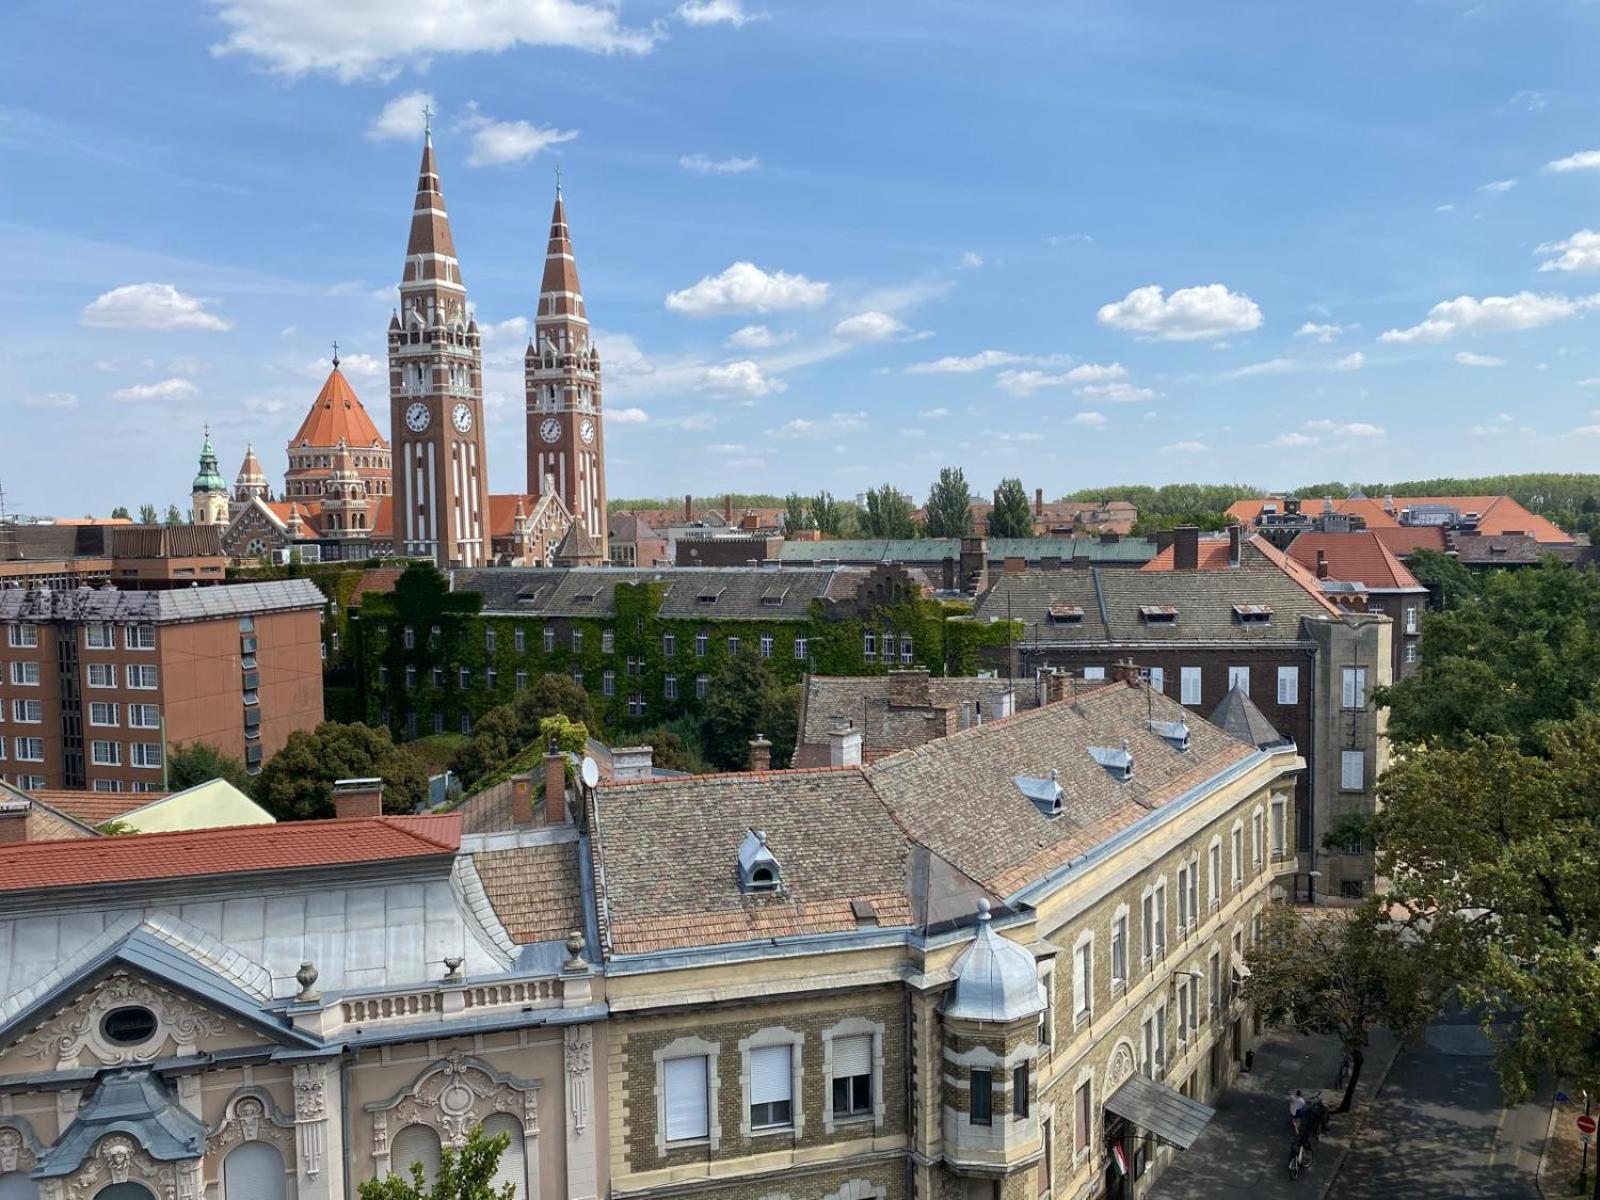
(1244, 1150)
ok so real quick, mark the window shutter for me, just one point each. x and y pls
(1158, 679)
(1094, 672)
(1288, 685)
(1352, 764)
(686, 1098)
(513, 1168)
(769, 1074)
(416, 1144)
(852, 1056)
(253, 1171)
(1189, 684)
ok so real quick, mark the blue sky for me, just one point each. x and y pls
(823, 244)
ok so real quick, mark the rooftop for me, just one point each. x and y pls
(1496, 514)
(733, 592)
(110, 605)
(1356, 557)
(337, 415)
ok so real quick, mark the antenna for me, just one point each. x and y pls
(8, 537)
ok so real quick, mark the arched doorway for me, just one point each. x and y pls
(128, 1190)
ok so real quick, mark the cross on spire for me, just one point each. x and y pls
(335, 353)
(558, 179)
(427, 122)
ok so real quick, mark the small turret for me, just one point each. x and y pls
(209, 495)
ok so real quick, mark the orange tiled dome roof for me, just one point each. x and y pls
(337, 416)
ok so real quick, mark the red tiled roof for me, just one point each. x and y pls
(1213, 557)
(503, 509)
(96, 808)
(1408, 539)
(375, 579)
(1496, 514)
(227, 851)
(337, 415)
(1357, 557)
(383, 517)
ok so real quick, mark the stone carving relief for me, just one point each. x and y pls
(76, 1030)
(18, 1150)
(579, 1057)
(1120, 1065)
(452, 1096)
(118, 1158)
(250, 1116)
(310, 1115)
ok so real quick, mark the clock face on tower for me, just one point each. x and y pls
(461, 418)
(417, 418)
(586, 431)
(550, 429)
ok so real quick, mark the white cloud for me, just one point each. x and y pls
(830, 426)
(743, 376)
(1117, 393)
(703, 164)
(1273, 366)
(363, 366)
(1492, 314)
(1468, 359)
(757, 337)
(1498, 187)
(288, 331)
(1587, 431)
(1184, 448)
(401, 118)
(714, 12)
(871, 327)
(971, 260)
(1595, 382)
(698, 422)
(1089, 420)
(745, 287)
(1529, 100)
(1359, 429)
(167, 389)
(1062, 239)
(60, 401)
(499, 143)
(933, 414)
(1189, 314)
(627, 416)
(1292, 441)
(376, 39)
(1445, 208)
(1580, 252)
(1498, 424)
(1353, 361)
(1025, 383)
(150, 306)
(1583, 160)
(1323, 333)
(983, 361)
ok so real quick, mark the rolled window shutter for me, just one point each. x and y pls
(852, 1056)
(513, 1165)
(416, 1143)
(686, 1098)
(253, 1171)
(769, 1074)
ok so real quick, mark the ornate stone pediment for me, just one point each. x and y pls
(75, 1036)
(452, 1096)
(118, 1158)
(1120, 1065)
(19, 1149)
(250, 1116)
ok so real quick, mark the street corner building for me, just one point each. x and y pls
(1004, 962)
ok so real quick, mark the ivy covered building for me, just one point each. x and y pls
(439, 650)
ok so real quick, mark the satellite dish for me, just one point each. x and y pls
(590, 772)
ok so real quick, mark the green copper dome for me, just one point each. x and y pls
(209, 479)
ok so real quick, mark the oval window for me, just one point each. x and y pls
(129, 1026)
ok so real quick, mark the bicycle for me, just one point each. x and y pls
(1299, 1153)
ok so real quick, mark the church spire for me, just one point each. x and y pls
(560, 293)
(431, 250)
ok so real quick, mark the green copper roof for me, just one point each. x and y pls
(209, 479)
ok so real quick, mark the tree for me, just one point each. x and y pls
(1448, 582)
(1493, 851)
(888, 514)
(297, 782)
(120, 513)
(795, 518)
(465, 1174)
(506, 730)
(174, 517)
(147, 514)
(1341, 972)
(200, 762)
(1522, 654)
(1011, 516)
(949, 505)
(747, 698)
(827, 515)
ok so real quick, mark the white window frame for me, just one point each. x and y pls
(1352, 770)
(1160, 892)
(1239, 677)
(139, 637)
(136, 671)
(1189, 683)
(1413, 623)
(1352, 688)
(853, 1027)
(1119, 948)
(1288, 685)
(112, 756)
(24, 635)
(775, 1035)
(1157, 678)
(137, 710)
(1047, 1018)
(20, 707)
(689, 1047)
(23, 748)
(20, 672)
(1147, 927)
(1236, 856)
(99, 636)
(139, 755)
(1278, 827)
(1083, 979)
(1214, 873)
(1094, 673)
(1258, 837)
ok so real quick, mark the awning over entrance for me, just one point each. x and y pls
(1152, 1106)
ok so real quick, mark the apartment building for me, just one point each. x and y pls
(96, 684)
(69, 555)
(1359, 573)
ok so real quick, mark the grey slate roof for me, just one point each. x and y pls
(136, 1103)
(829, 696)
(110, 605)
(1112, 602)
(1238, 715)
(591, 591)
(936, 550)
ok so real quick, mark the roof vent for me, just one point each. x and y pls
(1175, 732)
(1158, 614)
(758, 869)
(773, 597)
(1253, 614)
(1119, 762)
(710, 596)
(1045, 793)
(1065, 614)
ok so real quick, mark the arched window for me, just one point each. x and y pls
(15, 1185)
(513, 1166)
(253, 1171)
(416, 1144)
(124, 1191)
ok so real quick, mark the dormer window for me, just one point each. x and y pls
(710, 596)
(773, 597)
(1065, 614)
(1253, 614)
(1045, 793)
(759, 870)
(585, 597)
(1158, 614)
(1176, 733)
(1118, 761)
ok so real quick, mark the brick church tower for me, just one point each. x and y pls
(566, 438)
(441, 470)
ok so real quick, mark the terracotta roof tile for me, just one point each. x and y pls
(96, 808)
(1356, 557)
(535, 890)
(375, 580)
(287, 846)
(1496, 514)
(337, 415)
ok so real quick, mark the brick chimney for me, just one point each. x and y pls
(1186, 548)
(974, 564)
(1322, 564)
(1124, 671)
(1235, 537)
(14, 820)
(1038, 502)
(1164, 539)
(358, 798)
(522, 800)
(1057, 685)
(760, 753)
(555, 788)
(948, 577)
(688, 508)
(727, 508)
(909, 689)
(844, 743)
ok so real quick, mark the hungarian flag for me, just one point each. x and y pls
(1120, 1158)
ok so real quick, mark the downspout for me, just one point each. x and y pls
(1311, 777)
(344, 1117)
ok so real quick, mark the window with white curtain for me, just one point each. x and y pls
(771, 1094)
(686, 1098)
(513, 1168)
(415, 1144)
(253, 1171)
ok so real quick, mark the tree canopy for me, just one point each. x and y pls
(506, 730)
(120, 512)
(949, 506)
(297, 782)
(746, 698)
(888, 514)
(827, 514)
(1012, 515)
(465, 1174)
(147, 514)
(796, 515)
(199, 762)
